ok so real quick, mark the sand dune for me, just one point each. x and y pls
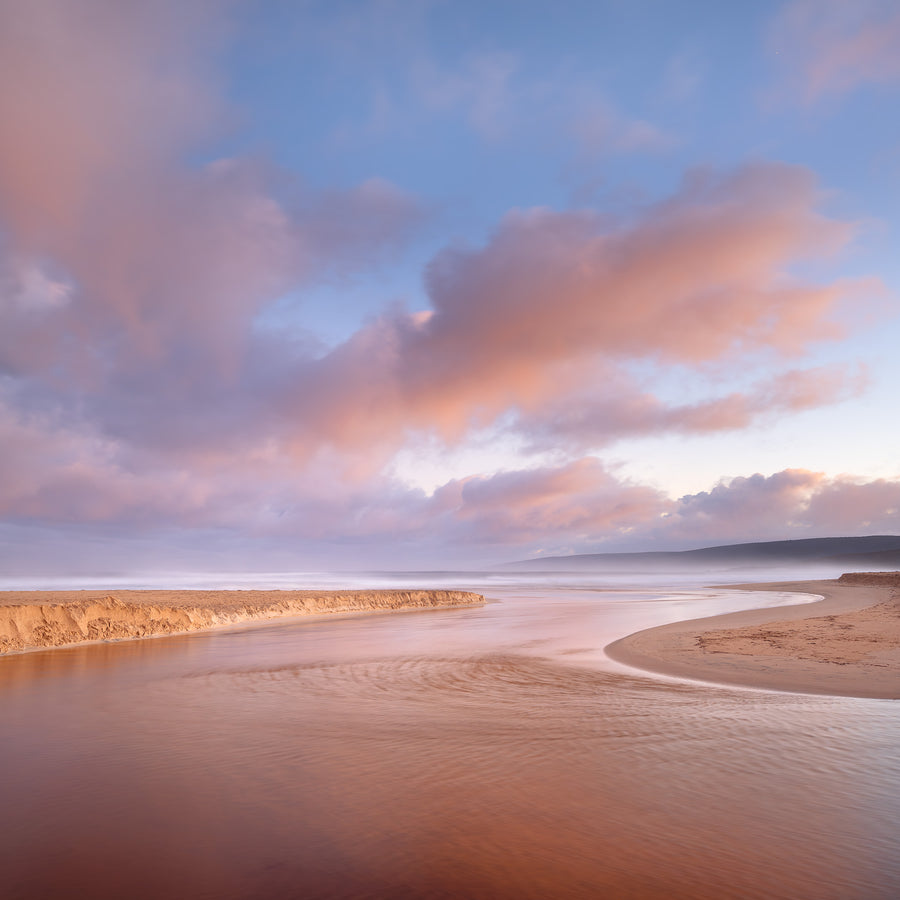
(37, 619)
(846, 644)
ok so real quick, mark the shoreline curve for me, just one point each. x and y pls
(43, 620)
(845, 644)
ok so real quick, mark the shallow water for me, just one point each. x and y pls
(489, 752)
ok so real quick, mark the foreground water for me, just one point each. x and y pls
(489, 752)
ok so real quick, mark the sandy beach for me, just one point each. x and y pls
(847, 643)
(33, 620)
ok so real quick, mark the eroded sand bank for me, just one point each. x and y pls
(847, 644)
(37, 619)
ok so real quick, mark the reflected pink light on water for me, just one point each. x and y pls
(466, 753)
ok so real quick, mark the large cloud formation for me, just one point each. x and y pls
(553, 312)
(136, 387)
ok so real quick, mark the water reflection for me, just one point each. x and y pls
(464, 753)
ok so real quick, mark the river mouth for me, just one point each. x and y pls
(487, 752)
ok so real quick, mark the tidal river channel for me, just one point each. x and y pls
(492, 752)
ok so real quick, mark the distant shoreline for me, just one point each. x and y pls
(41, 620)
(846, 644)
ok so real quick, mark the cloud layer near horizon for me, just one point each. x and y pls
(138, 387)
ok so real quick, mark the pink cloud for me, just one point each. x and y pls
(160, 269)
(829, 47)
(577, 502)
(583, 507)
(94, 95)
(130, 279)
(138, 391)
(589, 418)
(794, 503)
(702, 274)
(58, 468)
(556, 305)
(57, 472)
(745, 508)
(538, 327)
(864, 506)
(63, 471)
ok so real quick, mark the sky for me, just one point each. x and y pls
(306, 286)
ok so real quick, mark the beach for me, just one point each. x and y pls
(33, 620)
(492, 751)
(847, 643)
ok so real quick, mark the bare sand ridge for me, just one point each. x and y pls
(847, 644)
(36, 619)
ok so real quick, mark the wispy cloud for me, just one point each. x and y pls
(683, 76)
(601, 130)
(828, 48)
(481, 85)
(589, 418)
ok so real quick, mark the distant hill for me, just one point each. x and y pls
(880, 551)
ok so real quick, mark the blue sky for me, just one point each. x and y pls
(397, 283)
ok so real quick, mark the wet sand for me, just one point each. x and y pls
(846, 644)
(34, 620)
